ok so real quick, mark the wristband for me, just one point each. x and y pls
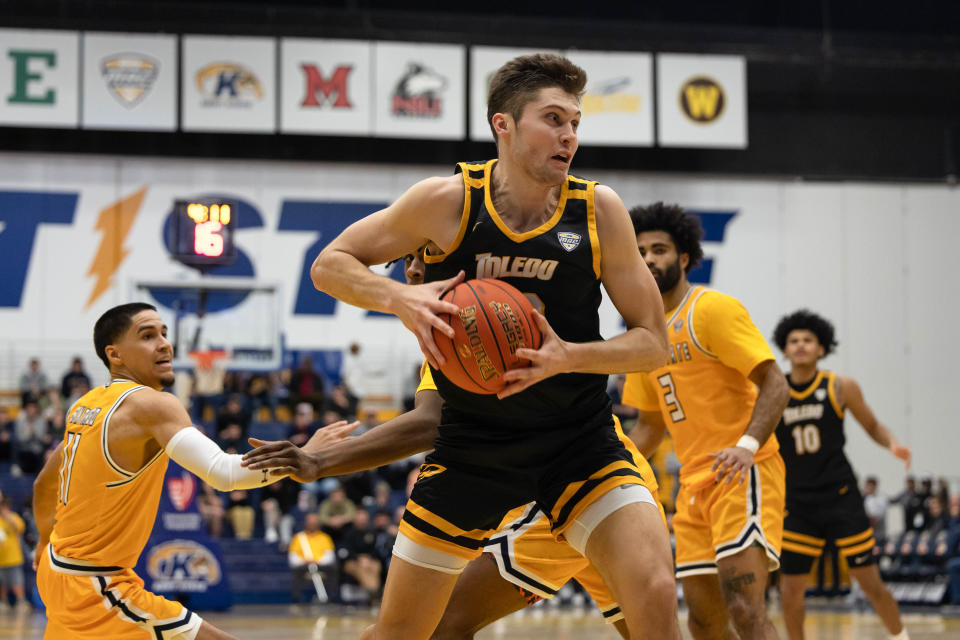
(749, 443)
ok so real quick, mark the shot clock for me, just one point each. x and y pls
(203, 231)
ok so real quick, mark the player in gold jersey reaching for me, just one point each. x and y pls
(720, 396)
(96, 499)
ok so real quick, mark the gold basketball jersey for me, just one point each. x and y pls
(104, 513)
(704, 393)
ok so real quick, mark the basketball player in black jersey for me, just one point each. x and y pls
(823, 501)
(549, 436)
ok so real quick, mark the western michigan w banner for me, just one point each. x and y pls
(701, 101)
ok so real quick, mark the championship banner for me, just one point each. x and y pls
(419, 91)
(484, 62)
(701, 101)
(39, 78)
(129, 81)
(618, 104)
(326, 87)
(181, 561)
(228, 84)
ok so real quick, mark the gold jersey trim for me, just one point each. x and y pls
(468, 184)
(526, 235)
(104, 443)
(803, 395)
(690, 327)
(679, 307)
(832, 393)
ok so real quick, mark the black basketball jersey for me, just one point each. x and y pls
(811, 438)
(557, 266)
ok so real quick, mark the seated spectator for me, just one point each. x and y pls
(311, 550)
(303, 425)
(277, 504)
(384, 499)
(33, 382)
(336, 512)
(210, 505)
(51, 404)
(232, 412)
(952, 550)
(306, 385)
(359, 555)
(240, 514)
(260, 393)
(875, 504)
(7, 448)
(342, 402)
(73, 378)
(231, 439)
(11, 555)
(386, 531)
(79, 390)
(943, 491)
(31, 436)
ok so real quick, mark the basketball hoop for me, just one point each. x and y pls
(206, 359)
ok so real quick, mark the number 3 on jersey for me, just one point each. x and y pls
(670, 398)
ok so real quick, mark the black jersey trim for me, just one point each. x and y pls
(610, 613)
(68, 565)
(428, 529)
(585, 490)
(117, 602)
(185, 620)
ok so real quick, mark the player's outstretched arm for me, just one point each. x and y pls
(405, 435)
(773, 394)
(642, 347)
(45, 500)
(429, 211)
(161, 416)
(851, 396)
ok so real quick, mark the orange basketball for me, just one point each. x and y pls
(494, 320)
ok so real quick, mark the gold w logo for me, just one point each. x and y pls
(702, 99)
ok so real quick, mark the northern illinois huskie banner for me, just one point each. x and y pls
(701, 101)
(420, 90)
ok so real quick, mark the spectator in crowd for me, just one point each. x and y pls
(210, 505)
(336, 512)
(231, 439)
(260, 392)
(306, 385)
(359, 555)
(303, 425)
(51, 404)
(233, 412)
(875, 504)
(943, 490)
(11, 554)
(33, 381)
(7, 447)
(624, 412)
(31, 436)
(277, 504)
(383, 499)
(913, 506)
(79, 389)
(386, 531)
(953, 549)
(342, 402)
(241, 515)
(311, 550)
(73, 378)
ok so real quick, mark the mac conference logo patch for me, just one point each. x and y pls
(820, 394)
(568, 240)
(129, 77)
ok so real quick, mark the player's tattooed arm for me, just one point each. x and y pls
(773, 394)
(405, 435)
(45, 500)
(851, 397)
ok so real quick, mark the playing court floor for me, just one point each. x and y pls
(283, 622)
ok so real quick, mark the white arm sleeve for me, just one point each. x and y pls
(200, 455)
